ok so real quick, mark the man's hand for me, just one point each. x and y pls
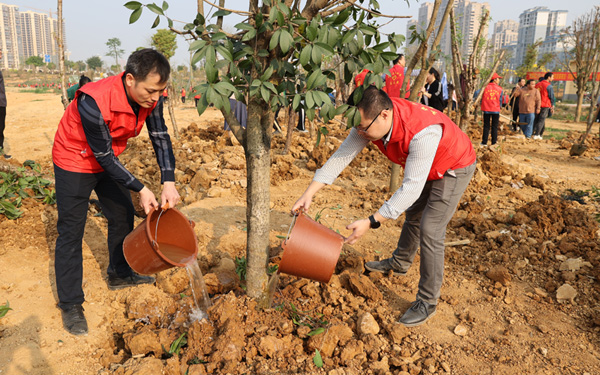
(359, 228)
(148, 200)
(169, 194)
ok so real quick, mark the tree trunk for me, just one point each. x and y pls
(171, 92)
(61, 57)
(579, 107)
(258, 168)
(292, 118)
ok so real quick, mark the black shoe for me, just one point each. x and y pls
(419, 313)
(115, 282)
(384, 266)
(74, 320)
(7, 156)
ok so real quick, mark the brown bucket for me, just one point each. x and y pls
(163, 240)
(311, 251)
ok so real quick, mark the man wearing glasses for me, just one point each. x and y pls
(438, 161)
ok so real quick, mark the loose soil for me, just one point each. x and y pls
(521, 297)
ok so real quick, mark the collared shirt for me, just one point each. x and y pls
(98, 137)
(422, 151)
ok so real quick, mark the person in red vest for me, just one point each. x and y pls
(183, 95)
(438, 161)
(393, 82)
(196, 97)
(360, 77)
(547, 109)
(165, 94)
(91, 134)
(491, 103)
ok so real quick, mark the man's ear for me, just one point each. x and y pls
(129, 80)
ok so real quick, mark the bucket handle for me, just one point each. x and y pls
(292, 225)
(155, 240)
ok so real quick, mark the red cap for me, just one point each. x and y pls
(494, 76)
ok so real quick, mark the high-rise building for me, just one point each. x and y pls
(26, 34)
(504, 37)
(537, 24)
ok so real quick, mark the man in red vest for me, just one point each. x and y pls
(438, 161)
(91, 134)
(393, 82)
(547, 109)
(491, 103)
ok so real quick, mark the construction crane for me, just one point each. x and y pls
(49, 11)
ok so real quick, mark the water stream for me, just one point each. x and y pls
(200, 295)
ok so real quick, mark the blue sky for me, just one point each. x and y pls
(90, 24)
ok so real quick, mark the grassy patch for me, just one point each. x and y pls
(555, 133)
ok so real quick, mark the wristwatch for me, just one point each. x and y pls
(374, 223)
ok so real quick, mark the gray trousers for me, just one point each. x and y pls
(425, 226)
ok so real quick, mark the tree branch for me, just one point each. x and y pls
(240, 12)
(353, 2)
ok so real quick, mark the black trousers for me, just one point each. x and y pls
(2, 125)
(72, 199)
(539, 124)
(492, 118)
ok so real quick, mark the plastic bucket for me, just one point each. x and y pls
(163, 240)
(311, 251)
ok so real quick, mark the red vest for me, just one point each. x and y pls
(71, 151)
(490, 102)
(543, 89)
(454, 151)
(393, 82)
(360, 78)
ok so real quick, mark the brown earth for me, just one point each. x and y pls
(505, 308)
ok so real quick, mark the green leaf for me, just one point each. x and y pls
(280, 19)
(249, 35)
(341, 109)
(225, 88)
(244, 26)
(310, 102)
(212, 73)
(296, 102)
(267, 74)
(155, 9)
(285, 41)
(202, 105)
(135, 15)
(165, 5)
(4, 309)
(316, 331)
(264, 93)
(305, 55)
(156, 22)
(271, 87)
(199, 55)
(225, 53)
(317, 359)
(311, 33)
(197, 44)
(316, 55)
(133, 5)
(210, 55)
(274, 40)
(221, 13)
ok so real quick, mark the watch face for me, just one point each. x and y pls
(374, 223)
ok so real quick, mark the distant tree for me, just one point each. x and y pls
(36, 61)
(70, 65)
(582, 42)
(181, 68)
(545, 60)
(80, 65)
(530, 60)
(115, 68)
(114, 49)
(164, 41)
(51, 66)
(94, 62)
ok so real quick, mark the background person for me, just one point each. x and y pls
(91, 134)
(529, 105)
(547, 105)
(432, 92)
(514, 102)
(438, 161)
(394, 81)
(73, 89)
(491, 104)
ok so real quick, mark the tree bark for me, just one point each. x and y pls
(61, 57)
(291, 120)
(171, 92)
(258, 169)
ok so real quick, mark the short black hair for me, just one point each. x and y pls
(548, 75)
(146, 61)
(435, 73)
(373, 101)
(83, 80)
(529, 81)
(400, 55)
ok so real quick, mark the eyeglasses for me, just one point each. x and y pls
(367, 128)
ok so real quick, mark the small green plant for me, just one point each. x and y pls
(303, 318)
(15, 186)
(176, 345)
(317, 359)
(319, 214)
(240, 267)
(4, 309)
